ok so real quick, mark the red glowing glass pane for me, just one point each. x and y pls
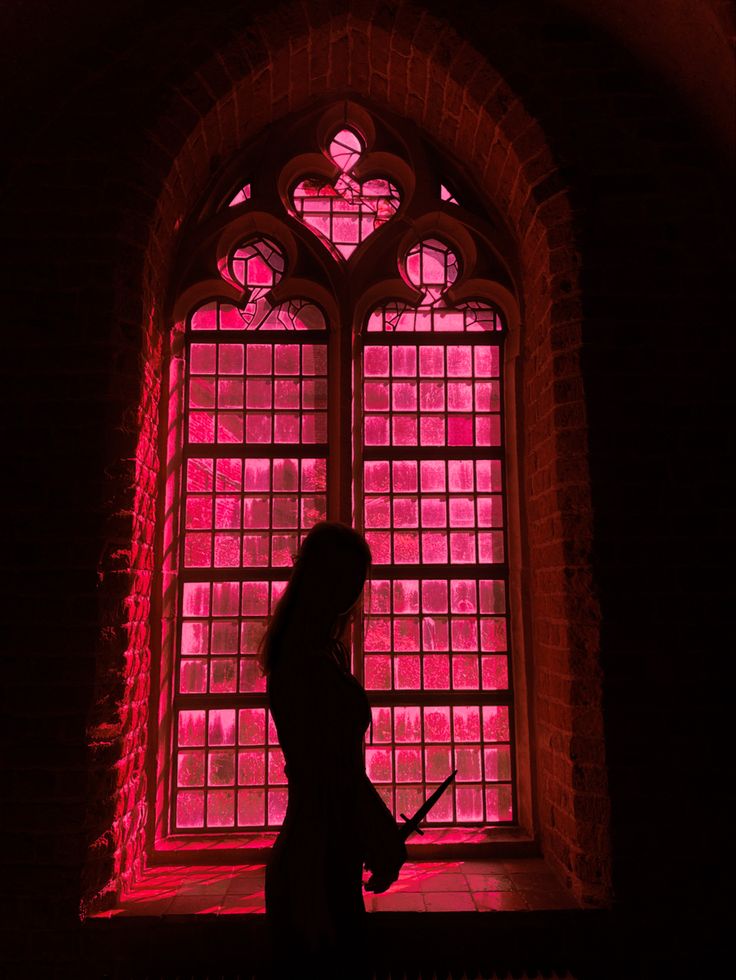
(259, 265)
(406, 547)
(442, 812)
(464, 634)
(241, 196)
(466, 723)
(202, 393)
(431, 263)
(468, 763)
(221, 727)
(379, 765)
(434, 596)
(227, 512)
(378, 512)
(193, 676)
(221, 768)
(191, 728)
(277, 800)
(204, 317)
(223, 676)
(436, 672)
(408, 799)
(202, 358)
(435, 634)
(408, 765)
(406, 512)
(497, 763)
(495, 673)
(252, 726)
(499, 803)
(493, 635)
(190, 769)
(195, 637)
(202, 427)
(198, 513)
(407, 673)
(495, 723)
(220, 808)
(224, 637)
(377, 634)
(465, 675)
(434, 548)
(379, 596)
(375, 362)
(251, 767)
(437, 724)
(469, 803)
(190, 809)
(376, 431)
(251, 807)
(251, 681)
(377, 672)
(276, 773)
(438, 762)
(381, 727)
(406, 634)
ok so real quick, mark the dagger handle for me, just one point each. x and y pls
(410, 829)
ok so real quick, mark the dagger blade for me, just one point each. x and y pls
(412, 823)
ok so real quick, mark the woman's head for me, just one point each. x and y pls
(327, 580)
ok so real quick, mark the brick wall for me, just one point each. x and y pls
(618, 206)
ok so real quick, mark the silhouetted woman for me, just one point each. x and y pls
(335, 820)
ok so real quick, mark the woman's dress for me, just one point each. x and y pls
(335, 819)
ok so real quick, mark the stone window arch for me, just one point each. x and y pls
(498, 156)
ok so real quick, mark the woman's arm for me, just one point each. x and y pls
(383, 844)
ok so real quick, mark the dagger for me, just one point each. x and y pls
(411, 824)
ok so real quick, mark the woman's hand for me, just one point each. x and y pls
(386, 861)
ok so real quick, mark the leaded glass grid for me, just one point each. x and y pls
(430, 490)
(253, 481)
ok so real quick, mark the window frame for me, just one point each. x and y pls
(343, 342)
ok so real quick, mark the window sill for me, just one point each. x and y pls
(437, 843)
(472, 886)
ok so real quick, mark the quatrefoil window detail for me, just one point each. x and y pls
(350, 210)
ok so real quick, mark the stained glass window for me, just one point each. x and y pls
(399, 431)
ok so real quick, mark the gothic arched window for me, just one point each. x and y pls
(338, 353)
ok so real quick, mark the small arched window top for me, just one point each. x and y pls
(432, 267)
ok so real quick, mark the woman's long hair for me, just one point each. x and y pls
(328, 577)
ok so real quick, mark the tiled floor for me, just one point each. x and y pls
(446, 886)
